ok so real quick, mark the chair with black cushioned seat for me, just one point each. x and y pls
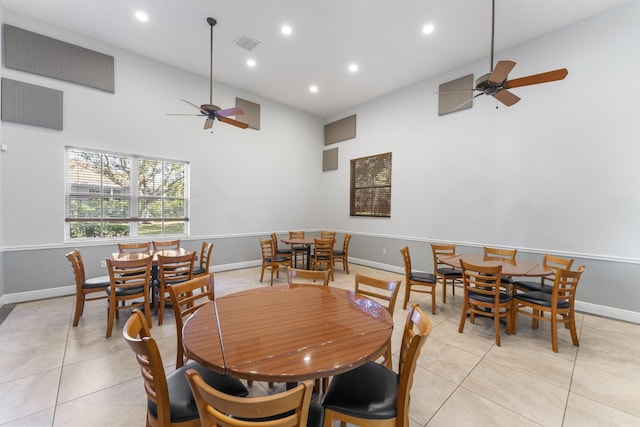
(307, 277)
(380, 290)
(170, 401)
(202, 269)
(134, 247)
(171, 270)
(271, 261)
(545, 284)
(289, 408)
(343, 254)
(129, 281)
(168, 244)
(296, 249)
(186, 298)
(485, 295)
(86, 289)
(444, 273)
(373, 395)
(559, 303)
(506, 255)
(285, 252)
(322, 258)
(417, 281)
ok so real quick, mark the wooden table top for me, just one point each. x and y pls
(299, 240)
(518, 268)
(287, 333)
(130, 256)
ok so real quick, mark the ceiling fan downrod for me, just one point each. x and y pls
(493, 25)
(212, 22)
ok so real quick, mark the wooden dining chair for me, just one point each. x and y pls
(86, 289)
(285, 252)
(328, 235)
(505, 255)
(508, 255)
(186, 298)
(134, 247)
(343, 254)
(444, 273)
(289, 408)
(270, 261)
(129, 282)
(169, 244)
(559, 303)
(545, 284)
(373, 395)
(485, 295)
(322, 257)
(417, 281)
(307, 277)
(170, 401)
(297, 250)
(202, 269)
(386, 293)
(171, 270)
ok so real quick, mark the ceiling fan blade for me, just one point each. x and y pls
(180, 114)
(506, 97)
(230, 112)
(195, 106)
(535, 79)
(234, 122)
(501, 71)
(208, 123)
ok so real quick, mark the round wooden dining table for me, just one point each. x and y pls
(287, 333)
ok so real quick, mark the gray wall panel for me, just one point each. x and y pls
(31, 105)
(38, 54)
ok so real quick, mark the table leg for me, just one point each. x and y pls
(308, 256)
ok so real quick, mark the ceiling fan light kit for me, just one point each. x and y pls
(211, 111)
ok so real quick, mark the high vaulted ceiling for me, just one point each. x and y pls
(383, 37)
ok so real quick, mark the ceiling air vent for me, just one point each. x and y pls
(246, 42)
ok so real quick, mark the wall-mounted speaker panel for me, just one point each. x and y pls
(330, 159)
(31, 105)
(251, 114)
(340, 130)
(45, 56)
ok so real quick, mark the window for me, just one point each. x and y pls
(371, 186)
(120, 195)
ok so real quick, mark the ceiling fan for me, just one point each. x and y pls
(496, 84)
(210, 111)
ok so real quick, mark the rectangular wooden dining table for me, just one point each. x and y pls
(287, 333)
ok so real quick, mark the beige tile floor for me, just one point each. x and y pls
(52, 374)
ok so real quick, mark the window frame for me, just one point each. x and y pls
(367, 193)
(96, 189)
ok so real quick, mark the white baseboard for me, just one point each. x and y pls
(585, 307)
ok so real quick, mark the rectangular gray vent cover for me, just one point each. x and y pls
(246, 42)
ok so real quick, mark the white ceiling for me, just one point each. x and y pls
(384, 37)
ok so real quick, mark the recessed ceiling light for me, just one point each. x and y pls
(286, 30)
(353, 67)
(251, 62)
(428, 29)
(313, 89)
(142, 16)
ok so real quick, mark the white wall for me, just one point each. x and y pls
(556, 172)
(240, 179)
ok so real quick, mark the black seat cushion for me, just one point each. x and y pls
(96, 282)
(489, 298)
(450, 272)
(199, 270)
(423, 277)
(316, 415)
(276, 259)
(126, 291)
(540, 298)
(533, 286)
(338, 252)
(182, 405)
(369, 391)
